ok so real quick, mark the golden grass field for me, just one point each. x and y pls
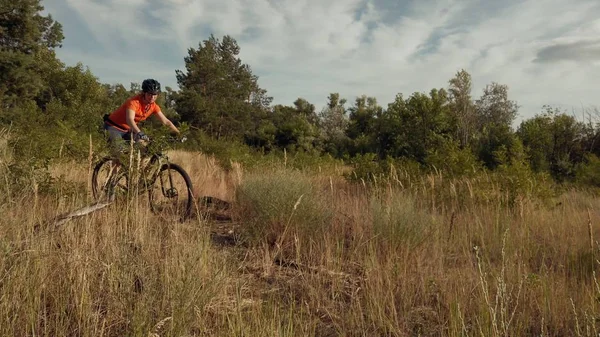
(303, 254)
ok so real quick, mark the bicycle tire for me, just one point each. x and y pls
(97, 189)
(183, 209)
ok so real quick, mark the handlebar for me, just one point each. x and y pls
(170, 139)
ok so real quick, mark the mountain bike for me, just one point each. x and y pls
(168, 185)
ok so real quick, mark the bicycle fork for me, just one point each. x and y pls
(171, 191)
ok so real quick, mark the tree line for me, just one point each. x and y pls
(54, 108)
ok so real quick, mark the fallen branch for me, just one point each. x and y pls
(60, 220)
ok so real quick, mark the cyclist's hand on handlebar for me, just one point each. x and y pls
(141, 136)
(178, 137)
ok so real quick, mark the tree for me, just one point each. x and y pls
(537, 140)
(293, 128)
(390, 135)
(362, 124)
(117, 94)
(218, 92)
(495, 114)
(554, 142)
(462, 108)
(494, 107)
(307, 110)
(27, 43)
(415, 126)
(333, 123)
(72, 112)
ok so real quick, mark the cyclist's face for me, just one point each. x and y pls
(149, 98)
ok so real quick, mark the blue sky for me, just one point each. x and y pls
(546, 51)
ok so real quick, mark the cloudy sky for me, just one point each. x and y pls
(546, 51)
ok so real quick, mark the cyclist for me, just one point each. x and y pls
(121, 124)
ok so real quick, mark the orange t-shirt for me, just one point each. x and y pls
(135, 103)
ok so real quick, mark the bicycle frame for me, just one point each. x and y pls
(151, 171)
(147, 174)
(142, 174)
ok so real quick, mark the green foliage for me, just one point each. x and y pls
(554, 142)
(52, 109)
(219, 93)
(365, 167)
(306, 110)
(494, 113)
(18, 79)
(362, 125)
(226, 151)
(491, 139)
(282, 205)
(459, 179)
(515, 178)
(588, 172)
(117, 95)
(61, 128)
(369, 168)
(462, 108)
(494, 107)
(21, 176)
(23, 29)
(33, 139)
(289, 128)
(64, 126)
(56, 110)
(453, 160)
(412, 127)
(333, 123)
(535, 135)
(27, 42)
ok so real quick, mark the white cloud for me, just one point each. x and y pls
(310, 48)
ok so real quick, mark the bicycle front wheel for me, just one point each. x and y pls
(171, 192)
(108, 179)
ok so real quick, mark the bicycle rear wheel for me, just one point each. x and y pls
(108, 180)
(171, 192)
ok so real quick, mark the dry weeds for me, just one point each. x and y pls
(388, 262)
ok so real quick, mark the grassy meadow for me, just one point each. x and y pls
(300, 253)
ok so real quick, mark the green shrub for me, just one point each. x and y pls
(224, 150)
(365, 167)
(454, 161)
(516, 179)
(280, 205)
(588, 173)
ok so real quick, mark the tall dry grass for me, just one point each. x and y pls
(427, 260)
(313, 256)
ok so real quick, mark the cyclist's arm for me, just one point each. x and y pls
(130, 118)
(166, 122)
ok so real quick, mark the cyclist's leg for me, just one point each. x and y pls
(118, 142)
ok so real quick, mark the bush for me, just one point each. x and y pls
(516, 179)
(225, 151)
(365, 167)
(281, 205)
(21, 174)
(588, 172)
(454, 161)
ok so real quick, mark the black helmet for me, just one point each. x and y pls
(151, 86)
